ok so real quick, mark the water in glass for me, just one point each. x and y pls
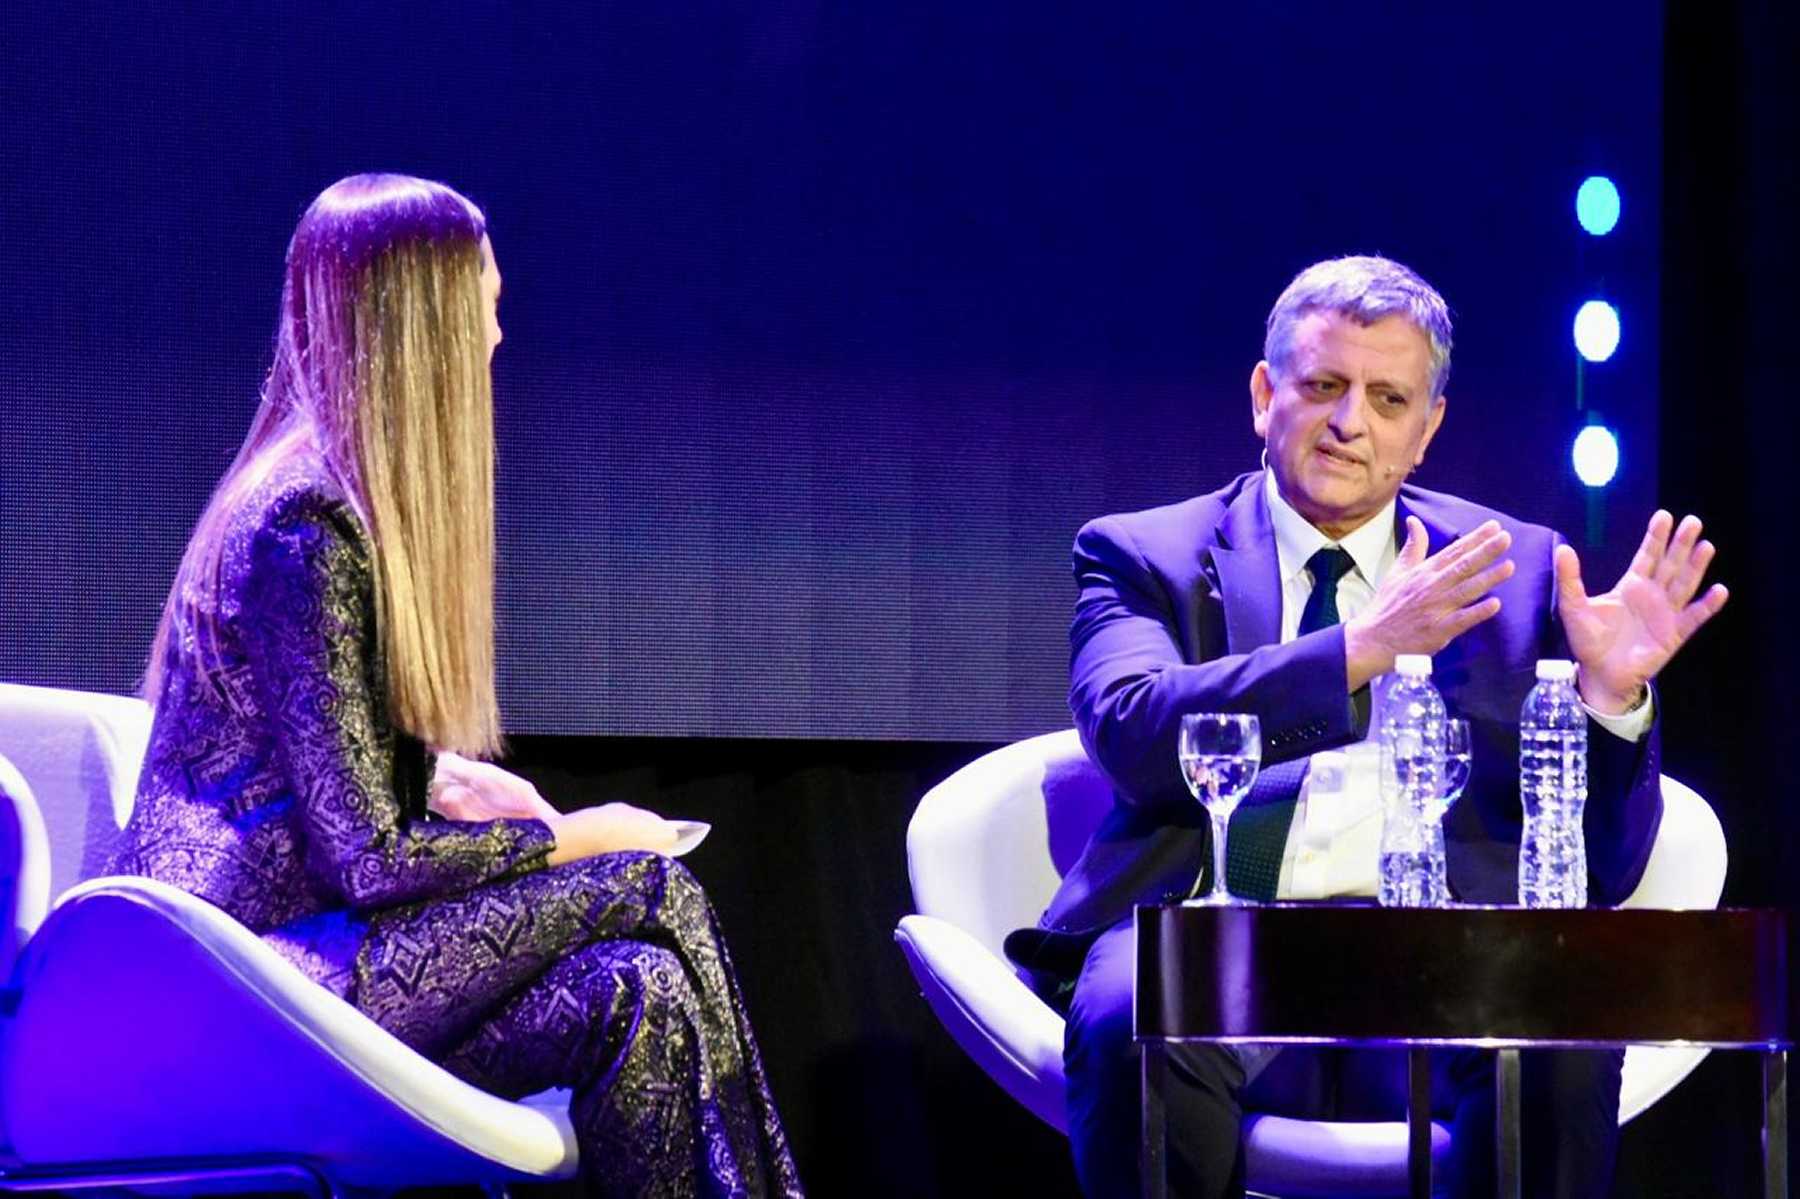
(1219, 754)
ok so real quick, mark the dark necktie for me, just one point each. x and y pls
(1259, 828)
(1326, 567)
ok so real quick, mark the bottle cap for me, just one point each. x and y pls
(1558, 670)
(1413, 666)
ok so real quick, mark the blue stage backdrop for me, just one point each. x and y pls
(827, 324)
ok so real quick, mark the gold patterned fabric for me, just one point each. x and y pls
(608, 976)
(276, 787)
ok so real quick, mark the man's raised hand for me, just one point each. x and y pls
(1424, 603)
(1621, 639)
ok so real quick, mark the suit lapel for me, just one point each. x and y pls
(1249, 572)
(1248, 567)
(1439, 530)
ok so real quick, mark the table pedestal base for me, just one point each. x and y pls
(1775, 1135)
(1153, 1165)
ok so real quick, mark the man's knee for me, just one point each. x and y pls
(1097, 1044)
(1098, 1034)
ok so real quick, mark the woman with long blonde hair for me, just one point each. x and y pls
(323, 679)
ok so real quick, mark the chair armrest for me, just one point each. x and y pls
(1688, 860)
(1010, 1033)
(24, 865)
(175, 1031)
(1686, 870)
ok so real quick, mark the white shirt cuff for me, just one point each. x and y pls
(1629, 725)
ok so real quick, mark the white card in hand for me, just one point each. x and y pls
(688, 834)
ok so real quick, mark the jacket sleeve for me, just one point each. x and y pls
(307, 624)
(1624, 810)
(1130, 684)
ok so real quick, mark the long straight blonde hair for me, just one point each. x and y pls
(381, 374)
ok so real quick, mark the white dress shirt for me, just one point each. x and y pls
(1335, 840)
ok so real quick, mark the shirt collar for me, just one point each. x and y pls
(1370, 545)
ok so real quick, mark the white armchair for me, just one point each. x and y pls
(986, 850)
(147, 1036)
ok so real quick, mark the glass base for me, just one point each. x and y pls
(1223, 899)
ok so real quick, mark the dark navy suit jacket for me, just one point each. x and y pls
(1179, 610)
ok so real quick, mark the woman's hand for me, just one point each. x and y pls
(609, 828)
(463, 789)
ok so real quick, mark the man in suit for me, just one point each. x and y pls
(1284, 594)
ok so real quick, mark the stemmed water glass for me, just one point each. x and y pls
(1412, 837)
(1451, 780)
(1458, 759)
(1220, 753)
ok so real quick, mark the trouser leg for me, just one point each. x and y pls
(430, 971)
(1571, 1108)
(1569, 1116)
(1202, 1084)
(617, 1023)
(544, 956)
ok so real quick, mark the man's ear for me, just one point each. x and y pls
(1433, 419)
(1262, 394)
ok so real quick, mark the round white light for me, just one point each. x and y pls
(1597, 205)
(1597, 330)
(1596, 455)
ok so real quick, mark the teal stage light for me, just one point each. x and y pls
(1597, 205)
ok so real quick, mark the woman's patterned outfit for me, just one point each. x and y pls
(281, 792)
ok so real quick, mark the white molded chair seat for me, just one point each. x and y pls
(986, 850)
(173, 1030)
(150, 1029)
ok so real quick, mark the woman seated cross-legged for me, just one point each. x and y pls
(323, 680)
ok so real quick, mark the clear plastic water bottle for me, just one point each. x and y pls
(1412, 768)
(1553, 786)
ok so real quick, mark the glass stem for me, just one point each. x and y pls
(1434, 843)
(1219, 890)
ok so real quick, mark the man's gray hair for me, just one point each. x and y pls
(1364, 288)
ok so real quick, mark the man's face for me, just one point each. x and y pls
(1347, 417)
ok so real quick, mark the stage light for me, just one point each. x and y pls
(1597, 205)
(1597, 330)
(1596, 455)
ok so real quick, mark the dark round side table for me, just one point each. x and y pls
(1487, 977)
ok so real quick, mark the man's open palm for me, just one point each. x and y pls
(1623, 637)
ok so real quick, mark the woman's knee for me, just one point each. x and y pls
(682, 906)
(658, 872)
(654, 877)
